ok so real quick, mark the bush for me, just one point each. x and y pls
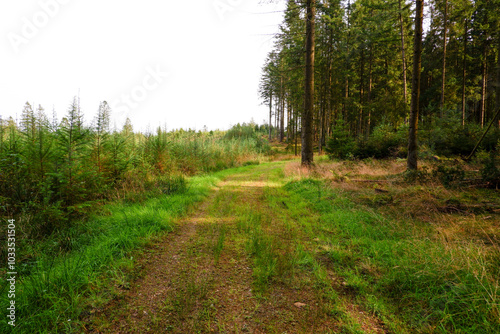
(421, 175)
(452, 139)
(446, 136)
(167, 184)
(449, 175)
(384, 142)
(490, 172)
(340, 145)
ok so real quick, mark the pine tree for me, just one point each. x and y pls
(72, 140)
(43, 143)
(101, 133)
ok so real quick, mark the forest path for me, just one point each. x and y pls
(231, 266)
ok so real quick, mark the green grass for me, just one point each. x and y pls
(261, 247)
(53, 294)
(392, 268)
(219, 244)
(414, 284)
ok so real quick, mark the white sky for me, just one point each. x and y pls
(212, 50)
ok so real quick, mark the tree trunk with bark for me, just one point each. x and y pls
(282, 111)
(412, 163)
(443, 76)
(403, 52)
(270, 113)
(307, 118)
(483, 84)
(464, 69)
(497, 87)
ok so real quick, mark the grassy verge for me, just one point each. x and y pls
(377, 256)
(415, 263)
(53, 293)
(283, 237)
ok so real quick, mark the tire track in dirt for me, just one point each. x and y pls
(184, 290)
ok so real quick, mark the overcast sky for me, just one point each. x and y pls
(181, 63)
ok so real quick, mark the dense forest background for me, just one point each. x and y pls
(363, 67)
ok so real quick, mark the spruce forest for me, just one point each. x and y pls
(364, 55)
(367, 201)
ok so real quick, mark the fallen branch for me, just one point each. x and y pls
(376, 181)
(484, 135)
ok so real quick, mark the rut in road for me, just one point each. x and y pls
(229, 268)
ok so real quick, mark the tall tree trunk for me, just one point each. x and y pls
(403, 53)
(289, 129)
(415, 88)
(270, 113)
(497, 90)
(330, 111)
(370, 70)
(361, 93)
(464, 69)
(443, 77)
(483, 85)
(276, 114)
(320, 129)
(282, 112)
(322, 121)
(307, 118)
(347, 61)
(296, 131)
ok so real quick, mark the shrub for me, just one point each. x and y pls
(453, 139)
(490, 172)
(384, 142)
(447, 136)
(340, 145)
(167, 184)
(449, 175)
(421, 175)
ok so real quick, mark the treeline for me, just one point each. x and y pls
(363, 61)
(52, 172)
